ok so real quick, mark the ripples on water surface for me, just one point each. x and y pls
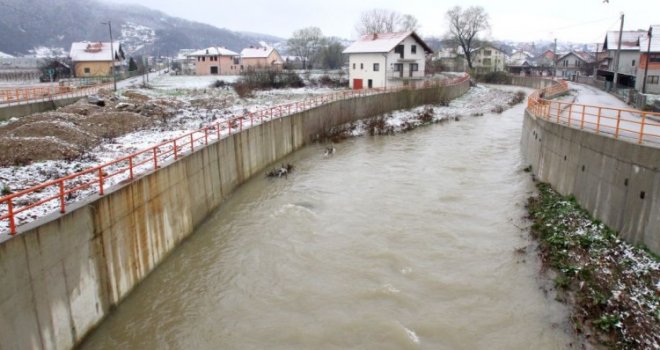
(400, 242)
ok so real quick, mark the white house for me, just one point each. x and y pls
(575, 63)
(488, 59)
(386, 60)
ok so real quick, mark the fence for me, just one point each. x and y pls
(57, 194)
(10, 97)
(629, 124)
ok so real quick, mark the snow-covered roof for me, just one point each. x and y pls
(5, 55)
(629, 39)
(655, 40)
(584, 56)
(383, 42)
(259, 52)
(214, 51)
(86, 51)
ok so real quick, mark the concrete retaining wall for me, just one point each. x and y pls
(617, 181)
(64, 275)
(22, 110)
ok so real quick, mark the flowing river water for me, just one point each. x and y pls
(394, 242)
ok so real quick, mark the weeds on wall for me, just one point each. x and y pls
(612, 287)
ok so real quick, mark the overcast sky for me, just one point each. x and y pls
(568, 20)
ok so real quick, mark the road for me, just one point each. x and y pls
(605, 114)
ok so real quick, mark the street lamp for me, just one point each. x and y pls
(648, 58)
(112, 56)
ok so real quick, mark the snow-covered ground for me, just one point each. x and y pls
(201, 105)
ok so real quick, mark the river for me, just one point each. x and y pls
(394, 242)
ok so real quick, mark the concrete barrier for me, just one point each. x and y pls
(21, 110)
(615, 180)
(63, 274)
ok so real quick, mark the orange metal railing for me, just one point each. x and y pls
(9, 97)
(621, 123)
(57, 194)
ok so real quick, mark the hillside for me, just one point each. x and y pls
(29, 24)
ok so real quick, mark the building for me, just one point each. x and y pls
(574, 64)
(488, 59)
(261, 58)
(629, 57)
(95, 59)
(450, 60)
(382, 60)
(651, 54)
(216, 61)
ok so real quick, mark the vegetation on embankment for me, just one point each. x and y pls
(612, 287)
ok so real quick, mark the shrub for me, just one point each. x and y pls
(494, 78)
(264, 80)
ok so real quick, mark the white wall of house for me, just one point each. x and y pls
(488, 59)
(652, 81)
(361, 66)
(629, 61)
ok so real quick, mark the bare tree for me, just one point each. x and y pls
(465, 25)
(306, 43)
(385, 21)
(408, 23)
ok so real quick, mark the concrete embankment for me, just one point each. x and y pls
(62, 275)
(21, 110)
(617, 181)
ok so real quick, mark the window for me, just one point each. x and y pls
(487, 62)
(399, 49)
(487, 52)
(361, 65)
(236, 60)
(633, 63)
(87, 70)
(398, 67)
(376, 67)
(654, 58)
(353, 65)
(653, 79)
(414, 67)
(413, 49)
(203, 59)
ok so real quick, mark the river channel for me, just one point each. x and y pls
(394, 242)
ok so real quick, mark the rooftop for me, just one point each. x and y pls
(86, 51)
(213, 51)
(382, 42)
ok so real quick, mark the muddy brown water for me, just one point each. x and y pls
(397, 242)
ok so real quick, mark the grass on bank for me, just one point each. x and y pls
(612, 287)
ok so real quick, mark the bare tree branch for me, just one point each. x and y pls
(385, 21)
(465, 25)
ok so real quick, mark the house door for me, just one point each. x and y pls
(214, 70)
(357, 84)
(370, 84)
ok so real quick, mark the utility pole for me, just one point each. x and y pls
(648, 59)
(615, 82)
(555, 59)
(112, 57)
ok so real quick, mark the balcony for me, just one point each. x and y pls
(405, 75)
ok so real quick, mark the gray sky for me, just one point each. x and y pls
(567, 20)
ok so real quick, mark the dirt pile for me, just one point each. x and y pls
(72, 130)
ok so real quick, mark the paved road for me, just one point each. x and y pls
(610, 109)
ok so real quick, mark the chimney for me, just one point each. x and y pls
(207, 51)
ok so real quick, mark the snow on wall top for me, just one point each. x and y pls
(92, 51)
(382, 42)
(261, 52)
(213, 51)
(655, 40)
(629, 39)
(5, 55)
